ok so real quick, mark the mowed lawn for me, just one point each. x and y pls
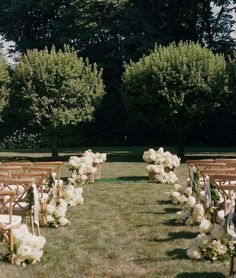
(125, 228)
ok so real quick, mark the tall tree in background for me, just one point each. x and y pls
(179, 84)
(113, 32)
(4, 84)
(56, 89)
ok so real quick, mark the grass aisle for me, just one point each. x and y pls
(124, 229)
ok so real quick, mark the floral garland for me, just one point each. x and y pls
(28, 248)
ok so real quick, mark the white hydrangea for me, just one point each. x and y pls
(205, 226)
(218, 232)
(194, 253)
(188, 191)
(191, 202)
(27, 247)
(198, 213)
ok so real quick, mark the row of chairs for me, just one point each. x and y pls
(220, 173)
(24, 192)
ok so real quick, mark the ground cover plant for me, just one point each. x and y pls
(126, 228)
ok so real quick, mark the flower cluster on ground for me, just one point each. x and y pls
(28, 248)
(161, 165)
(213, 243)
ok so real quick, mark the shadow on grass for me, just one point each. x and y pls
(175, 235)
(200, 274)
(177, 254)
(111, 157)
(170, 222)
(129, 179)
(164, 202)
(166, 211)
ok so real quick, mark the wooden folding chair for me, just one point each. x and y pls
(24, 201)
(39, 177)
(56, 165)
(8, 221)
(18, 163)
(226, 184)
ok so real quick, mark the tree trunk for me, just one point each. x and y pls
(180, 136)
(54, 143)
(180, 143)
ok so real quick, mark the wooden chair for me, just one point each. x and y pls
(25, 203)
(8, 221)
(18, 163)
(56, 165)
(226, 184)
(39, 178)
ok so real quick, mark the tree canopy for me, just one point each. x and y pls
(178, 83)
(4, 84)
(56, 88)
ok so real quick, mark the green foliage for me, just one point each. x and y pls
(21, 139)
(232, 75)
(57, 88)
(4, 84)
(180, 83)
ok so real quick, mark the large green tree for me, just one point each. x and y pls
(4, 84)
(55, 89)
(178, 84)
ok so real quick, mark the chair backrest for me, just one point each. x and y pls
(225, 160)
(6, 201)
(38, 176)
(8, 170)
(210, 166)
(18, 163)
(56, 165)
(193, 162)
(20, 187)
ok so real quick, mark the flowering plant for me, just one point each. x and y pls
(161, 165)
(192, 213)
(56, 213)
(212, 243)
(21, 139)
(72, 195)
(28, 248)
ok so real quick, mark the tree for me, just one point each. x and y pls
(179, 84)
(4, 84)
(232, 75)
(56, 89)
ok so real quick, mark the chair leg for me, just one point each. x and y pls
(10, 238)
(231, 271)
(32, 224)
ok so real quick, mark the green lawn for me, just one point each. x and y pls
(124, 229)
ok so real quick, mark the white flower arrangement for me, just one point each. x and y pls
(212, 244)
(180, 194)
(28, 248)
(193, 213)
(56, 211)
(73, 196)
(161, 165)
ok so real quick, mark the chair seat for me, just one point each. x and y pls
(20, 207)
(4, 221)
